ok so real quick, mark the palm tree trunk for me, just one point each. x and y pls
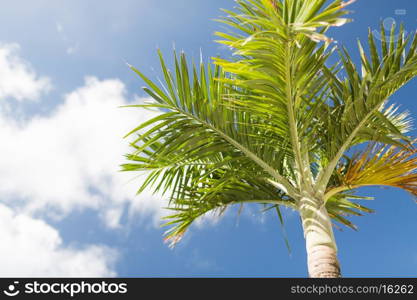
(320, 241)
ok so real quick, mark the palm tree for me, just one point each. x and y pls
(290, 121)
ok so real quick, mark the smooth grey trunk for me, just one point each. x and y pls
(320, 242)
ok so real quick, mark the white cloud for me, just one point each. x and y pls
(32, 248)
(17, 79)
(70, 159)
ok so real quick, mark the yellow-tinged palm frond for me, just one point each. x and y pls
(379, 165)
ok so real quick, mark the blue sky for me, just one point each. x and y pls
(64, 208)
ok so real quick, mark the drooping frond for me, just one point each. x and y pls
(379, 166)
(215, 192)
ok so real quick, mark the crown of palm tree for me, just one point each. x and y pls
(279, 120)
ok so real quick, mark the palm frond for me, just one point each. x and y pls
(278, 63)
(343, 205)
(215, 192)
(379, 165)
(361, 96)
(198, 126)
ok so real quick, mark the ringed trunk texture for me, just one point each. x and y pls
(320, 241)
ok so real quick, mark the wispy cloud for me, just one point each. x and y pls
(17, 78)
